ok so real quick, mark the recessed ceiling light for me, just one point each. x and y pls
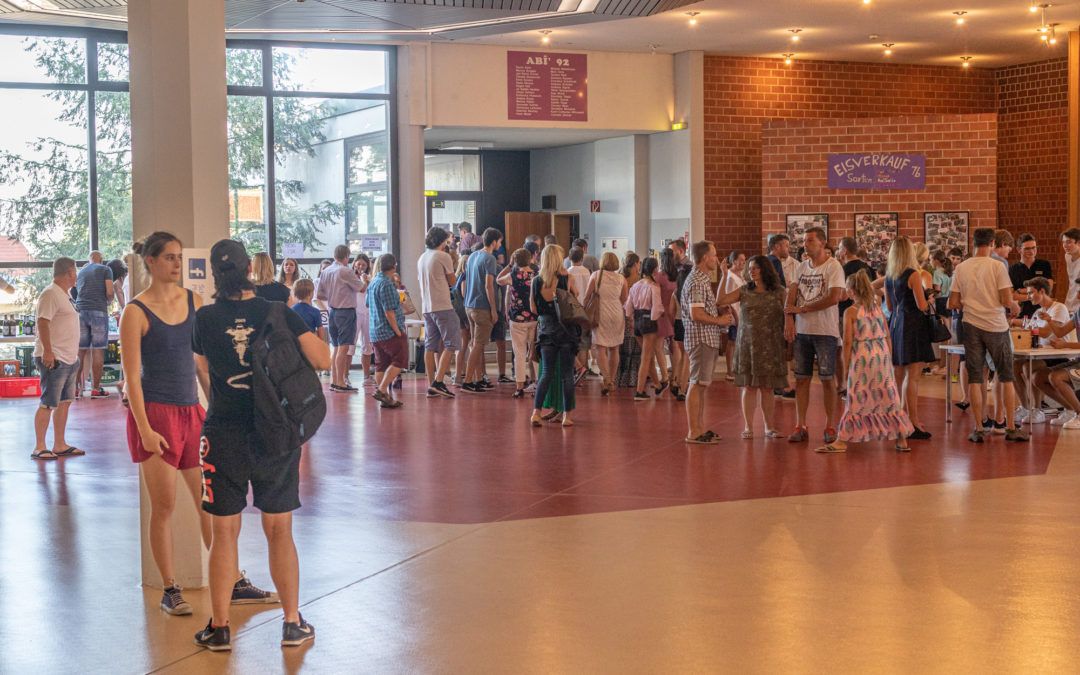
(960, 20)
(794, 33)
(788, 58)
(546, 39)
(693, 18)
(888, 47)
(965, 61)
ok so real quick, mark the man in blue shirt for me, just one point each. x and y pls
(94, 289)
(387, 327)
(480, 307)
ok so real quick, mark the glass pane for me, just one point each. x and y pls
(113, 110)
(369, 226)
(342, 71)
(452, 172)
(368, 160)
(247, 171)
(243, 67)
(42, 59)
(43, 173)
(448, 214)
(310, 140)
(113, 62)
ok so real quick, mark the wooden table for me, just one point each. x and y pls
(1032, 355)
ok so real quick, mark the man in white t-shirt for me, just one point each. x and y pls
(56, 356)
(579, 274)
(813, 325)
(442, 329)
(1049, 316)
(1070, 242)
(982, 288)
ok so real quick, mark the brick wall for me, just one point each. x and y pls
(1033, 153)
(961, 170)
(742, 93)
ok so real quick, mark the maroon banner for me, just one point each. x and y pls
(547, 87)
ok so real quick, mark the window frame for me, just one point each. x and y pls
(92, 37)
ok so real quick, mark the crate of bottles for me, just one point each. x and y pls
(18, 387)
(10, 368)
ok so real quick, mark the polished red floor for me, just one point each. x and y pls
(475, 459)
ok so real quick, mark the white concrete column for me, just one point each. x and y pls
(642, 243)
(412, 117)
(179, 179)
(690, 108)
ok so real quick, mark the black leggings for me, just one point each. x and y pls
(561, 356)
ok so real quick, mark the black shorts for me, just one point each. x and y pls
(229, 464)
(680, 331)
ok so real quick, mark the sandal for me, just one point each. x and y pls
(746, 434)
(703, 439)
(903, 448)
(43, 454)
(71, 451)
(550, 416)
(829, 447)
(536, 420)
(773, 433)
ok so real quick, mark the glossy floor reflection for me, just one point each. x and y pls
(450, 537)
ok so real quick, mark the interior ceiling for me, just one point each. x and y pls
(996, 32)
(517, 139)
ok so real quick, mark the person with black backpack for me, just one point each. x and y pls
(258, 360)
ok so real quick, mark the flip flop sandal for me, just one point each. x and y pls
(71, 451)
(713, 436)
(746, 434)
(830, 448)
(703, 439)
(44, 454)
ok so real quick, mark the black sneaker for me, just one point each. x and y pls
(214, 639)
(246, 593)
(391, 403)
(432, 392)
(505, 380)
(641, 396)
(963, 405)
(484, 384)
(660, 390)
(442, 390)
(1017, 435)
(788, 394)
(296, 634)
(919, 435)
(172, 602)
(519, 393)
(977, 436)
(473, 388)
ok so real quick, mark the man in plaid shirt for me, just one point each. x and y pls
(702, 341)
(387, 325)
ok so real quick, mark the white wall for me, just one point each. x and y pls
(669, 186)
(627, 91)
(567, 173)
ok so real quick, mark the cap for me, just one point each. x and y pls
(228, 255)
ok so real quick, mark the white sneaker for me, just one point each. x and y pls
(1072, 424)
(1036, 417)
(1021, 415)
(1060, 420)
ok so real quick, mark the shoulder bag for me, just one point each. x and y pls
(592, 306)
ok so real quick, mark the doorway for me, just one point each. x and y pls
(449, 211)
(566, 227)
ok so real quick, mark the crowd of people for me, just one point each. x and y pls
(652, 326)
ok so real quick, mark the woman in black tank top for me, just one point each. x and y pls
(165, 418)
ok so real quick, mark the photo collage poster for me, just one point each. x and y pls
(798, 224)
(946, 230)
(874, 233)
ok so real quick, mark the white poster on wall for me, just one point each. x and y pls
(292, 250)
(196, 273)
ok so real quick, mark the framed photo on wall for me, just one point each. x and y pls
(799, 223)
(946, 230)
(874, 233)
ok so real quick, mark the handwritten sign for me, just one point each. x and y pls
(547, 86)
(877, 171)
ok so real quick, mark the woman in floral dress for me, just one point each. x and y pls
(874, 410)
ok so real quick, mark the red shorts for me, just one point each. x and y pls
(179, 425)
(392, 352)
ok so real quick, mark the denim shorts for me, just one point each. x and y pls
(93, 329)
(342, 327)
(821, 347)
(57, 383)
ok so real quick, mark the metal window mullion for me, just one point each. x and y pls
(91, 140)
(271, 182)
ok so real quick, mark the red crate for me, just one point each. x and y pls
(17, 387)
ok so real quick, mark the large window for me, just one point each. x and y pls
(309, 149)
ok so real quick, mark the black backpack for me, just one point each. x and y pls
(289, 400)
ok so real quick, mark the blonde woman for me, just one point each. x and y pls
(262, 275)
(607, 336)
(558, 342)
(908, 328)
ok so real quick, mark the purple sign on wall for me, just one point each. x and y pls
(877, 171)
